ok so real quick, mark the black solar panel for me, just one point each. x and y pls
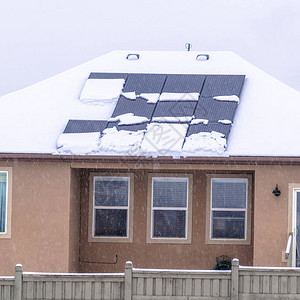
(205, 108)
(197, 128)
(174, 108)
(138, 107)
(214, 110)
(108, 76)
(82, 126)
(222, 85)
(134, 127)
(183, 83)
(144, 83)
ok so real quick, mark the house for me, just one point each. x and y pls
(166, 159)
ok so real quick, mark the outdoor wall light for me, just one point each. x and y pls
(276, 192)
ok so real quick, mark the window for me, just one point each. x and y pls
(112, 198)
(229, 209)
(169, 209)
(5, 202)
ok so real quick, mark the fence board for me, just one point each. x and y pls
(197, 287)
(275, 286)
(253, 283)
(206, 285)
(216, 288)
(265, 284)
(149, 286)
(283, 284)
(169, 284)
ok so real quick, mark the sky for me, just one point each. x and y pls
(41, 38)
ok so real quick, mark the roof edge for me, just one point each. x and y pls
(232, 160)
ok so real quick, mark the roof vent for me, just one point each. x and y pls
(202, 57)
(133, 56)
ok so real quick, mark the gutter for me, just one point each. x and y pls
(232, 160)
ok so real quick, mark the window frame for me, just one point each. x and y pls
(188, 221)
(209, 210)
(7, 233)
(91, 227)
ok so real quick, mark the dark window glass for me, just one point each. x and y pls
(228, 224)
(169, 223)
(3, 199)
(169, 193)
(226, 194)
(111, 191)
(111, 222)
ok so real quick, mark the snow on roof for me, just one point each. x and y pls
(265, 124)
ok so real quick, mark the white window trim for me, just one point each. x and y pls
(188, 209)
(7, 233)
(247, 230)
(129, 208)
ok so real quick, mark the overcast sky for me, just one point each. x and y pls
(40, 38)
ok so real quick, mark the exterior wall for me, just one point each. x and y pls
(197, 255)
(50, 208)
(271, 213)
(40, 217)
(74, 226)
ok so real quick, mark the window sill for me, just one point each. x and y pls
(169, 241)
(106, 239)
(228, 242)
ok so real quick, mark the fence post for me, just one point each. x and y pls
(235, 279)
(128, 280)
(18, 282)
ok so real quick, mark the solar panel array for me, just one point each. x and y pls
(205, 107)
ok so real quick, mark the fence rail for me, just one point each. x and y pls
(148, 284)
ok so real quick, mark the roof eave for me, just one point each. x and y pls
(232, 160)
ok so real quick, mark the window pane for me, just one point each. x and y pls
(170, 192)
(229, 193)
(111, 191)
(228, 224)
(169, 223)
(3, 187)
(111, 222)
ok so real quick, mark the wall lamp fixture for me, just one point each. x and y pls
(276, 192)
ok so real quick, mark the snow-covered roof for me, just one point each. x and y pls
(266, 123)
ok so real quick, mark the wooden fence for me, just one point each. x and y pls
(145, 284)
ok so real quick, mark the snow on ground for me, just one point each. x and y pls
(266, 121)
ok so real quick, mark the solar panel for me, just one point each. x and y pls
(133, 127)
(183, 83)
(144, 83)
(222, 85)
(82, 126)
(174, 108)
(214, 110)
(108, 75)
(138, 107)
(197, 128)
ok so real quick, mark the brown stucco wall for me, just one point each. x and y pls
(40, 218)
(50, 218)
(74, 226)
(271, 213)
(197, 255)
